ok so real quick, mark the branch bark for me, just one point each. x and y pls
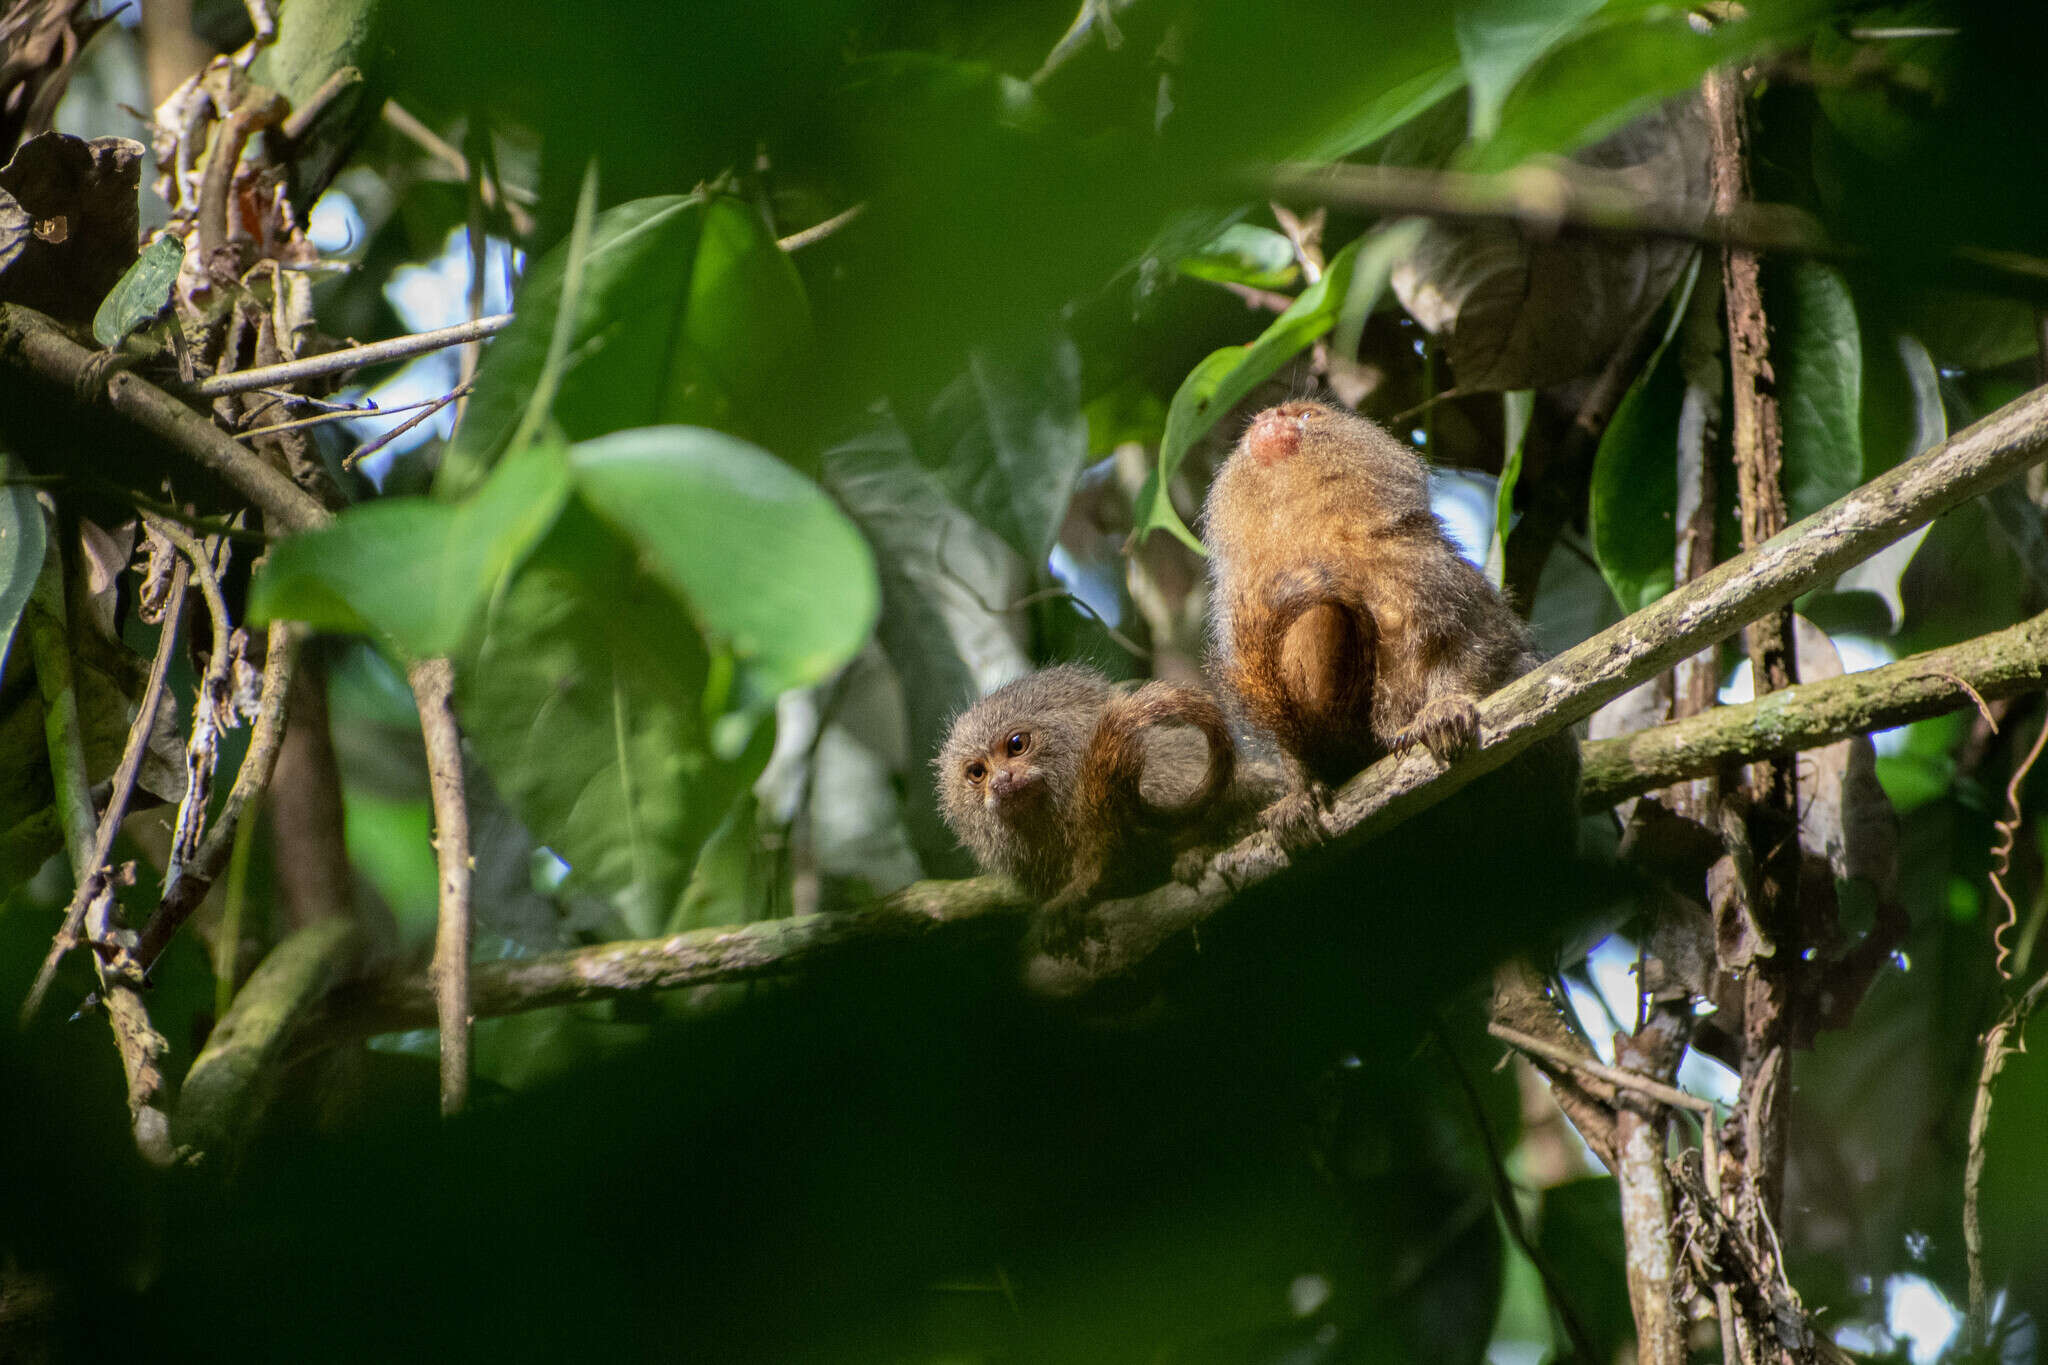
(433, 683)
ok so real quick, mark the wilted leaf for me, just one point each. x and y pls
(140, 294)
(16, 229)
(1844, 814)
(83, 194)
(415, 570)
(1519, 313)
(690, 314)
(768, 566)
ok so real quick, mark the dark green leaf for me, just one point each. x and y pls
(1579, 1237)
(1009, 440)
(1818, 357)
(140, 294)
(1902, 416)
(415, 570)
(690, 313)
(1633, 502)
(21, 548)
(770, 568)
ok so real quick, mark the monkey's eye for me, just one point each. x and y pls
(1018, 743)
(977, 770)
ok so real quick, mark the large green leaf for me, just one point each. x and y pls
(689, 313)
(141, 293)
(1615, 68)
(415, 570)
(21, 548)
(585, 698)
(1009, 440)
(769, 567)
(1817, 355)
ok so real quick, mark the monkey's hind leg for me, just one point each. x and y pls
(1320, 655)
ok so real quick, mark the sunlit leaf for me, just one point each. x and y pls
(690, 313)
(141, 293)
(414, 570)
(1243, 254)
(768, 566)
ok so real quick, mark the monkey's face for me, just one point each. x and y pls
(1008, 778)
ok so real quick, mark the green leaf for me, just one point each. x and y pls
(1498, 40)
(22, 539)
(690, 313)
(1517, 406)
(585, 697)
(1223, 378)
(141, 293)
(414, 570)
(1818, 358)
(1579, 1237)
(1615, 69)
(769, 567)
(1633, 503)
(1243, 254)
(1009, 440)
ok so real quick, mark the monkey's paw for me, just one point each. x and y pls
(1446, 726)
(1063, 928)
(1189, 864)
(1296, 819)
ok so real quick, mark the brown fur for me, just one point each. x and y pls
(1345, 622)
(1097, 786)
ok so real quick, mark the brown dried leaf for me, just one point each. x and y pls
(91, 186)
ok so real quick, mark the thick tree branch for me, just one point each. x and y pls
(1561, 692)
(2004, 664)
(32, 342)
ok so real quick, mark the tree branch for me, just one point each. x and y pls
(2006, 663)
(32, 342)
(433, 681)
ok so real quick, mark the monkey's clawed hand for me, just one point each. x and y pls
(1446, 726)
(1296, 819)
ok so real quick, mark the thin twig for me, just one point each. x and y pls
(818, 232)
(349, 358)
(1593, 1066)
(363, 452)
(123, 788)
(340, 414)
(433, 682)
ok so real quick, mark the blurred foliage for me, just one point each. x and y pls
(729, 531)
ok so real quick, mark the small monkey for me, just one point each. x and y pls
(1068, 783)
(1345, 623)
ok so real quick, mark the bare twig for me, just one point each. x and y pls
(818, 232)
(1545, 201)
(206, 864)
(123, 788)
(369, 448)
(1565, 1057)
(350, 358)
(433, 682)
(345, 414)
(1651, 1262)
